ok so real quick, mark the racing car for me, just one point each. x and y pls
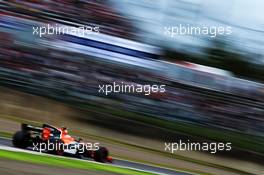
(61, 142)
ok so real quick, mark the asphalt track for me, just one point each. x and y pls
(121, 163)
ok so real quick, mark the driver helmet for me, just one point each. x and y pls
(64, 130)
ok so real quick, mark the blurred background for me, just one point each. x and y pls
(214, 86)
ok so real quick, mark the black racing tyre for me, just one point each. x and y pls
(58, 148)
(21, 139)
(101, 155)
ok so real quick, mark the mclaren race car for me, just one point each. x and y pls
(57, 141)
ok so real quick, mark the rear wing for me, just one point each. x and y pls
(27, 127)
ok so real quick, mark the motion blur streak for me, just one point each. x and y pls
(214, 85)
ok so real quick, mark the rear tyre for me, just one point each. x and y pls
(21, 139)
(101, 155)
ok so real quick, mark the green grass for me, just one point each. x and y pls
(69, 163)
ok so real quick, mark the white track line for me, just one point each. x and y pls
(155, 166)
(5, 138)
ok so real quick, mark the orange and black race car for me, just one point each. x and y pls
(57, 141)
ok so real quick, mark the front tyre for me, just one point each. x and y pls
(101, 155)
(21, 139)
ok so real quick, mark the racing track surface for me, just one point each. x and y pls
(123, 163)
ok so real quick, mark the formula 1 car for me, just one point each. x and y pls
(57, 141)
